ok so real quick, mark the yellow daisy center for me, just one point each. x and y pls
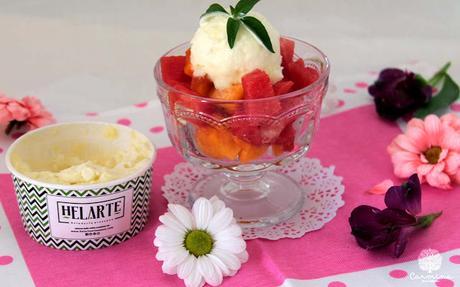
(198, 242)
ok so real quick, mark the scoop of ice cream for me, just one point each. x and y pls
(212, 56)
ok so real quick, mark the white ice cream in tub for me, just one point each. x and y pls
(82, 185)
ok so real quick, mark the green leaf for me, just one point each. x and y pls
(420, 78)
(243, 7)
(437, 77)
(232, 30)
(232, 10)
(214, 8)
(448, 94)
(258, 29)
(426, 220)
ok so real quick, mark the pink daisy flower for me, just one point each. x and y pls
(451, 120)
(430, 148)
(12, 110)
(39, 116)
(26, 113)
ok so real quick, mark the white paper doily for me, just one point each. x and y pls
(323, 196)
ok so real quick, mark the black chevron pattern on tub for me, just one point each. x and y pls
(34, 211)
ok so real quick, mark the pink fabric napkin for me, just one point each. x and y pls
(354, 141)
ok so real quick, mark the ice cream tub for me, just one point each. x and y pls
(82, 185)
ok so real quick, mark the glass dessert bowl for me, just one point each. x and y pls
(245, 131)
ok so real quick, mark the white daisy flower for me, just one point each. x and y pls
(200, 246)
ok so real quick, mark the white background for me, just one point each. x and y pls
(87, 55)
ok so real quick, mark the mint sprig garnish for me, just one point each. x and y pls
(258, 29)
(214, 8)
(238, 17)
(232, 30)
(244, 6)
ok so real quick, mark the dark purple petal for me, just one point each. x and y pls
(395, 217)
(364, 215)
(372, 240)
(402, 240)
(413, 195)
(391, 74)
(394, 198)
(397, 93)
(427, 93)
(408, 196)
(369, 232)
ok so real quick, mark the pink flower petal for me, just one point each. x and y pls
(417, 123)
(457, 177)
(443, 155)
(450, 139)
(382, 187)
(405, 143)
(406, 169)
(451, 120)
(38, 115)
(452, 163)
(433, 129)
(438, 179)
(18, 111)
(423, 159)
(5, 116)
(418, 138)
(404, 156)
(439, 167)
(424, 169)
(40, 121)
(393, 147)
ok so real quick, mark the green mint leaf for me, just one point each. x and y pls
(233, 26)
(243, 7)
(425, 221)
(439, 75)
(420, 78)
(448, 94)
(214, 8)
(258, 29)
(232, 10)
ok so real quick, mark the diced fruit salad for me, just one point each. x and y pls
(248, 139)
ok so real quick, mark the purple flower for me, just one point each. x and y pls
(406, 197)
(374, 228)
(397, 93)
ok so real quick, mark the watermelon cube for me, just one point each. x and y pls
(256, 131)
(257, 85)
(249, 132)
(172, 70)
(287, 51)
(301, 75)
(181, 100)
(286, 138)
(283, 87)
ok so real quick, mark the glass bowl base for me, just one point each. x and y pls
(257, 200)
